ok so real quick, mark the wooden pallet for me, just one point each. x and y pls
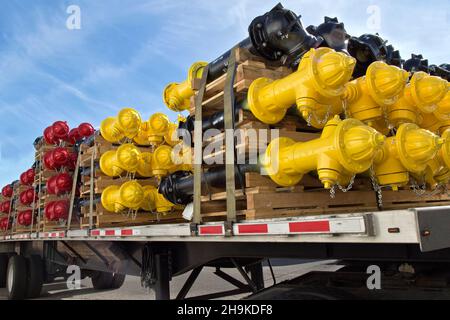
(103, 218)
(263, 199)
(99, 147)
(249, 69)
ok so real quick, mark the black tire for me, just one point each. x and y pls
(16, 283)
(35, 267)
(118, 280)
(107, 281)
(4, 257)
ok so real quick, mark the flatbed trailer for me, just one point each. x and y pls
(418, 237)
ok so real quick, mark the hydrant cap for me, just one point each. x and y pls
(159, 124)
(385, 82)
(108, 166)
(427, 91)
(110, 131)
(162, 158)
(127, 156)
(131, 195)
(443, 110)
(330, 70)
(357, 145)
(416, 146)
(108, 198)
(129, 121)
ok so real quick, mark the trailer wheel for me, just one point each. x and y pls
(118, 280)
(4, 257)
(106, 280)
(35, 267)
(16, 279)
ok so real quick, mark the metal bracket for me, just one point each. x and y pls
(194, 229)
(433, 226)
(228, 226)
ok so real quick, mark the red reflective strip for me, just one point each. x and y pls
(211, 230)
(95, 233)
(61, 234)
(253, 228)
(313, 226)
(110, 233)
(128, 232)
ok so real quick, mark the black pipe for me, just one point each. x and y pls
(214, 121)
(369, 48)
(178, 187)
(442, 71)
(278, 35)
(333, 32)
(416, 63)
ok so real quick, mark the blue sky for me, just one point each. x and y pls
(128, 50)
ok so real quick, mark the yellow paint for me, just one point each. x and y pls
(438, 168)
(125, 125)
(132, 196)
(422, 94)
(408, 152)
(315, 88)
(366, 96)
(177, 95)
(127, 158)
(345, 148)
(153, 131)
(443, 110)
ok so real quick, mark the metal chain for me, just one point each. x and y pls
(349, 187)
(344, 107)
(421, 190)
(333, 192)
(376, 187)
(319, 121)
(344, 190)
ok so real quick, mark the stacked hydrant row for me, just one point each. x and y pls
(48, 183)
(146, 151)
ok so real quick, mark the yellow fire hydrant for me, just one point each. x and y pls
(167, 160)
(408, 152)
(315, 88)
(127, 158)
(438, 168)
(345, 148)
(132, 196)
(125, 125)
(422, 94)
(443, 107)
(365, 97)
(153, 131)
(177, 95)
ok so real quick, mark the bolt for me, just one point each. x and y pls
(426, 233)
